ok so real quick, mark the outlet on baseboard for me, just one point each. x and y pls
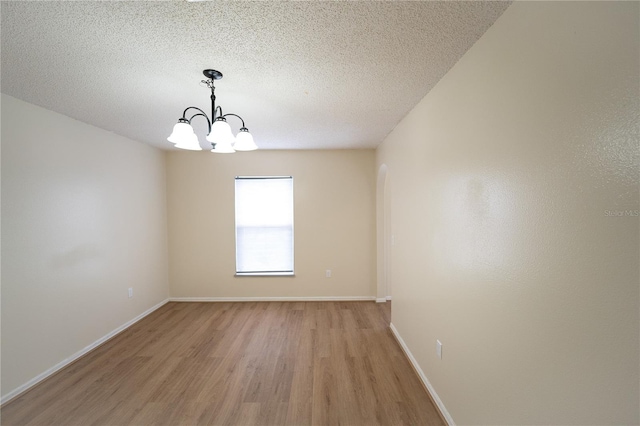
(130, 292)
(439, 349)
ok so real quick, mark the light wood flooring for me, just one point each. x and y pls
(265, 363)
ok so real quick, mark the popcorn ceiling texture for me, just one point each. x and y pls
(303, 75)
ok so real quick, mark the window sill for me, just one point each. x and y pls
(265, 274)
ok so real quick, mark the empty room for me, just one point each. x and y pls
(320, 213)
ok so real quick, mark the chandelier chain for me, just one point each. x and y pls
(209, 83)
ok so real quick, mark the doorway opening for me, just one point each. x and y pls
(384, 235)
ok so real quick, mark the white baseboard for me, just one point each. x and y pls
(40, 377)
(381, 300)
(423, 377)
(388, 297)
(274, 299)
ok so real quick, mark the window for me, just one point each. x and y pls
(264, 225)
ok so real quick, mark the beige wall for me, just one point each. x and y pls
(503, 182)
(83, 219)
(334, 223)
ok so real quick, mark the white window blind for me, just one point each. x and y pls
(264, 225)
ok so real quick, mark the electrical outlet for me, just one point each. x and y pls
(130, 292)
(439, 349)
(328, 273)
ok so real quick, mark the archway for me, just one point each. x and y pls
(383, 232)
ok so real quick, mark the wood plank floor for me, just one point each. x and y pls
(265, 363)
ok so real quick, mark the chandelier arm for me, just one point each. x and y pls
(235, 115)
(184, 113)
(202, 114)
(217, 113)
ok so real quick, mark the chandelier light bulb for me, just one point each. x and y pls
(182, 131)
(190, 143)
(244, 141)
(220, 132)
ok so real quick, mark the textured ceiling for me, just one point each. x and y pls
(303, 75)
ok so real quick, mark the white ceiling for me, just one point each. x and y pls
(303, 75)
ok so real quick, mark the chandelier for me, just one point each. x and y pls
(220, 135)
